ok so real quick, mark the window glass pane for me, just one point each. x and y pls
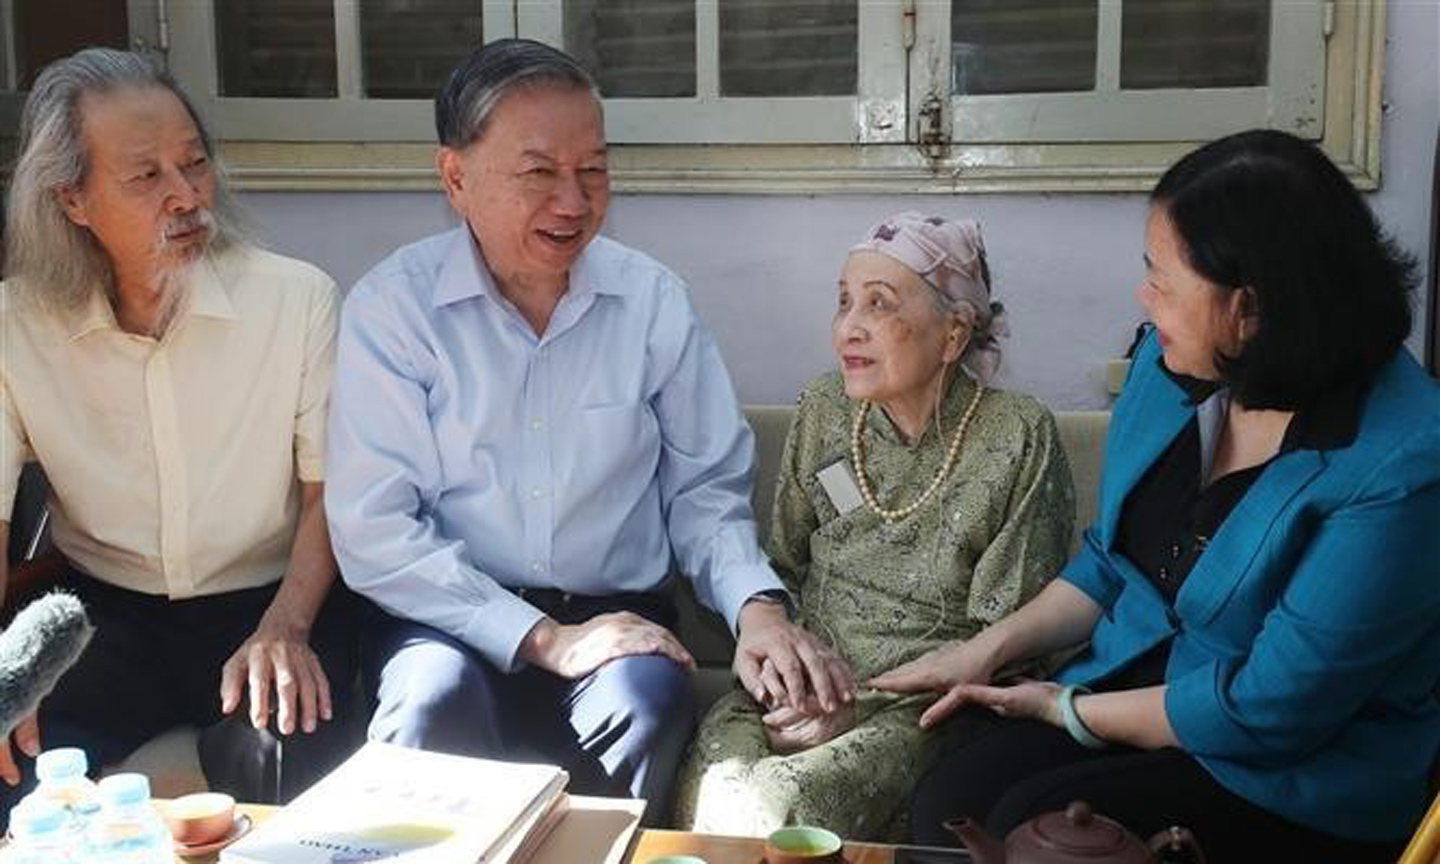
(409, 46)
(1022, 46)
(281, 48)
(1194, 43)
(788, 47)
(46, 30)
(635, 48)
(8, 77)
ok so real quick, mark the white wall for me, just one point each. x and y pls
(763, 268)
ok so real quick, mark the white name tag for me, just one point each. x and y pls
(839, 486)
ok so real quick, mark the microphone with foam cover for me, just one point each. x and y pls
(44, 640)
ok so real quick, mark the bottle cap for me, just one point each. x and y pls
(124, 789)
(62, 763)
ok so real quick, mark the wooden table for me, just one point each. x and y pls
(735, 850)
(653, 843)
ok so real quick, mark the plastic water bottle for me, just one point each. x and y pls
(128, 830)
(44, 833)
(62, 779)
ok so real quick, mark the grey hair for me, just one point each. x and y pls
(464, 105)
(54, 259)
(981, 357)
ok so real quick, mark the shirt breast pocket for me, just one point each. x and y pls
(615, 447)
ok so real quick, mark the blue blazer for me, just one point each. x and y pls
(1306, 657)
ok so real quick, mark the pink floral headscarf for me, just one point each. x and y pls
(949, 254)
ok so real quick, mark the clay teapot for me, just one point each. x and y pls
(1076, 836)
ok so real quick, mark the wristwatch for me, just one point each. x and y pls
(774, 597)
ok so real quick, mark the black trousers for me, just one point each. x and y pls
(1004, 772)
(155, 663)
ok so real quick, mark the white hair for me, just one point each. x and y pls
(51, 258)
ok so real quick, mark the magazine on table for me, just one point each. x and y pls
(391, 803)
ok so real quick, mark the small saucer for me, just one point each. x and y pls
(243, 824)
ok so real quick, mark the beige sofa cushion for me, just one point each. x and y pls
(174, 769)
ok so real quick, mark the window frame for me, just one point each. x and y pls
(1289, 100)
(281, 159)
(10, 101)
(873, 115)
(146, 37)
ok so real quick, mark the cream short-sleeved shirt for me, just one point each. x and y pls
(175, 463)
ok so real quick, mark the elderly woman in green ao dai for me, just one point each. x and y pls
(915, 505)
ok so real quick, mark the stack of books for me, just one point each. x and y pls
(395, 804)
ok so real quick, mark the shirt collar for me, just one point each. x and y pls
(1197, 390)
(209, 295)
(1330, 422)
(207, 298)
(595, 270)
(96, 314)
(464, 273)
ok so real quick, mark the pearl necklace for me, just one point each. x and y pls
(857, 451)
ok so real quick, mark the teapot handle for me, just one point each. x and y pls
(1176, 838)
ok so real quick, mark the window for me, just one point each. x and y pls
(733, 71)
(777, 95)
(1070, 70)
(35, 32)
(325, 70)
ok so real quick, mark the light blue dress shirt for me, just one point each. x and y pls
(469, 456)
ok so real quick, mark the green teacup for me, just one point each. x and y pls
(676, 859)
(803, 844)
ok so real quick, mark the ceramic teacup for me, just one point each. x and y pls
(803, 845)
(201, 818)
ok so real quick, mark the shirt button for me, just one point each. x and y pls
(1164, 574)
(536, 492)
(537, 567)
(1175, 551)
(536, 425)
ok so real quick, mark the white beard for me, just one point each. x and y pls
(176, 266)
(173, 285)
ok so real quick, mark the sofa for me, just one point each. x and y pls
(170, 759)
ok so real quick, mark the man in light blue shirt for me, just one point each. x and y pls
(528, 422)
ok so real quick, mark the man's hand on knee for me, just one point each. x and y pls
(26, 738)
(576, 650)
(278, 668)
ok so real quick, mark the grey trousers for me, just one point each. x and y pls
(620, 730)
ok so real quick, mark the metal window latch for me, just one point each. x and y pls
(933, 137)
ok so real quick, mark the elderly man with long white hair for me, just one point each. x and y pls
(172, 380)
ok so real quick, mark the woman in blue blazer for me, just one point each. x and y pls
(1258, 600)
